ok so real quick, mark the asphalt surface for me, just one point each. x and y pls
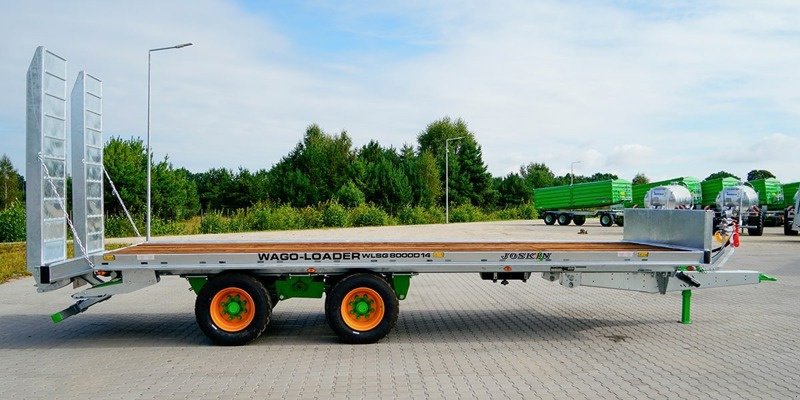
(456, 337)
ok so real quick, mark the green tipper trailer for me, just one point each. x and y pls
(789, 191)
(571, 202)
(691, 183)
(791, 196)
(710, 188)
(770, 192)
(770, 200)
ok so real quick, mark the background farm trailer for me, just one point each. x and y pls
(573, 203)
(639, 191)
(730, 198)
(791, 224)
(238, 284)
(771, 200)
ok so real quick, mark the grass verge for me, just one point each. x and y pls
(12, 259)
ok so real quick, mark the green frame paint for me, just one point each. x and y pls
(686, 307)
(401, 283)
(310, 287)
(197, 283)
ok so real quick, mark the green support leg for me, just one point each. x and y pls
(686, 309)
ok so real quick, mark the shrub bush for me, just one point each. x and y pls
(311, 217)
(528, 211)
(160, 227)
(213, 222)
(334, 215)
(412, 216)
(368, 215)
(12, 223)
(466, 213)
(284, 218)
(241, 221)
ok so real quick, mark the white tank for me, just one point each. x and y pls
(735, 196)
(668, 197)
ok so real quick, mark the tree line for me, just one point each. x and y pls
(325, 167)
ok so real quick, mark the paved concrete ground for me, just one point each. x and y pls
(457, 337)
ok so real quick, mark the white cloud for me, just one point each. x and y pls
(663, 92)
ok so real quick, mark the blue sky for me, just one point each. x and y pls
(667, 88)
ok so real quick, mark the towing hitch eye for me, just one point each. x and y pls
(687, 279)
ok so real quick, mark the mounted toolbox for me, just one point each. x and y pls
(691, 183)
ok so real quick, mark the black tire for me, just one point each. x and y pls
(787, 225)
(758, 223)
(333, 312)
(619, 220)
(579, 220)
(549, 219)
(564, 219)
(261, 302)
(606, 220)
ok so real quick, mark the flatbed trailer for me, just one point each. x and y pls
(239, 283)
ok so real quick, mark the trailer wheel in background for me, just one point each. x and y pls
(758, 222)
(606, 220)
(564, 219)
(233, 309)
(619, 220)
(787, 225)
(362, 308)
(549, 219)
(579, 220)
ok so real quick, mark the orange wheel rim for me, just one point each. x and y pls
(232, 309)
(362, 309)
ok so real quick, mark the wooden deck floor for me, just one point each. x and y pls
(293, 247)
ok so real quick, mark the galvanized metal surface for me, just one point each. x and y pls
(691, 183)
(87, 161)
(669, 197)
(46, 150)
(682, 228)
(648, 282)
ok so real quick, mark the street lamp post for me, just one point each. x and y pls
(447, 177)
(149, 154)
(571, 172)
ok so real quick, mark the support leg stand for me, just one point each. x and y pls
(686, 307)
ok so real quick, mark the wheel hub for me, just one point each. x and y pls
(361, 306)
(234, 306)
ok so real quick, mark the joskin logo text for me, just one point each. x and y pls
(538, 256)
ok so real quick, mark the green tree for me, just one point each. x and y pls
(640, 179)
(174, 194)
(759, 174)
(425, 178)
(722, 174)
(382, 177)
(469, 180)
(537, 175)
(317, 167)
(126, 162)
(513, 191)
(10, 183)
(349, 195)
